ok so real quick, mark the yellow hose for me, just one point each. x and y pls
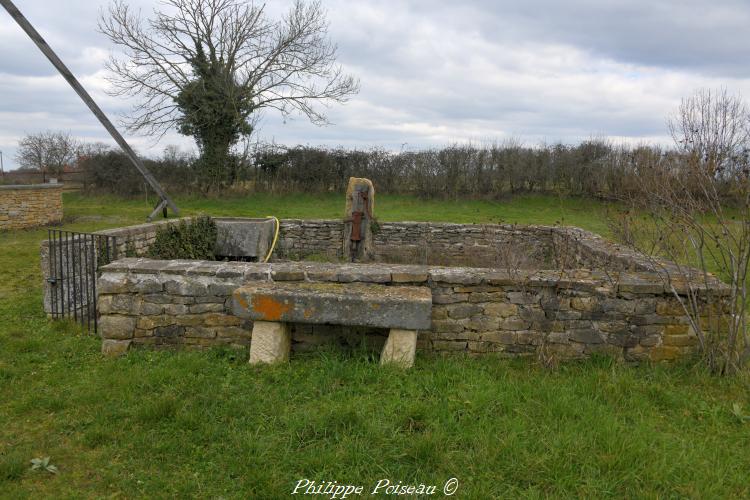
(275, 237)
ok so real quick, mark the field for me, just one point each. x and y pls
(207, 425)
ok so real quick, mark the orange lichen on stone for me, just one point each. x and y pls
(240, 299)
(270, 308)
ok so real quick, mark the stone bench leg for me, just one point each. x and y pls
(270, 343)
(400, 348)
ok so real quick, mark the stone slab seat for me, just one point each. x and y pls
(272, 306)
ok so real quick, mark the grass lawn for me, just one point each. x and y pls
(207, 425)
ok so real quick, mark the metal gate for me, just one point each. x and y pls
(74, 261)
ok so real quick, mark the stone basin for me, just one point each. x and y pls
(499, 290)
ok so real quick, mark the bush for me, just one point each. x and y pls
(110, 171)
(187, 240)
(593, 168)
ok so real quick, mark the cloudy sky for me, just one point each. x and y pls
(432, 72)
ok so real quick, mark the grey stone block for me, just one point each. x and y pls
(586, 336)
(117, 327)
(354, 304)
(400, 348)
(244, 237)
(271, 343)
(171, 331)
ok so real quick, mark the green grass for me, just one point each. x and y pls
(535, 209)
(207, 425)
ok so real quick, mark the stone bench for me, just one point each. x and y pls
(273, 305)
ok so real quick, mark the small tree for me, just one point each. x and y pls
(208, 67)
(693, 207)
(711, 131)
(48, 152)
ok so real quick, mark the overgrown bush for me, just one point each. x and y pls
(187, 240)
(694, 208)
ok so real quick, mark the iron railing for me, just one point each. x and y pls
(74, 261)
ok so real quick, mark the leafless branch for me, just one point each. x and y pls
(288, 65)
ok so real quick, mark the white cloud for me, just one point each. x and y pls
(434, 73)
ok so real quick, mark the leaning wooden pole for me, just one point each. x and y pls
(65, 72)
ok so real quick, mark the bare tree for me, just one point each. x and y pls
(208, 67)
(711, 129)
(48, 152)
(694, 209)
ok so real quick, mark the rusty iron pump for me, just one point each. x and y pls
(358, 219)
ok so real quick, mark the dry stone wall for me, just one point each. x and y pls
(32, 205)
(595, 296)
(578, 248)
(476, 245)
(299, 239)
(471, 245)
(567, 314)
(429, 243)
(134, 241)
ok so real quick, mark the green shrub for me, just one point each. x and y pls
(187, 240)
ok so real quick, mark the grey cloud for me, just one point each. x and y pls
(435, 72)
(701, 35)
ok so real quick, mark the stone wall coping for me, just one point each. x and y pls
(631, 282)
(470, 225)
(643, 274)
(520, 227)
(140, 228)
(593, 241)
(239, 219)
(408, 223)
(597, 244)
(312, 222)
(9, 187)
